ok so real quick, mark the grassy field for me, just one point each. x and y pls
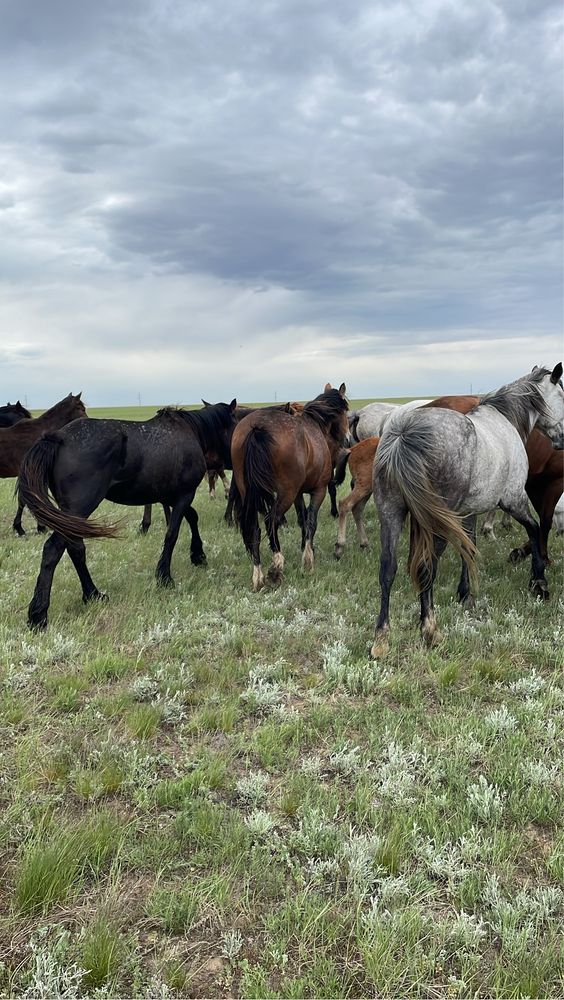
(206, 792)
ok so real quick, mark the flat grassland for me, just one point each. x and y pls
(206, 792)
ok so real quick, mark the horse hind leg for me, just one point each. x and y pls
(39, 606)
(164, 579)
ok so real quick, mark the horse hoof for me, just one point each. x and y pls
(96, 595)
(334, 513)
(198, 559)
(515, 556)
(165, 581)
(143, 529)
(19, 531)
(339, 549)
(37, 624)
(539, 588)
(468, 601)
(42, 529)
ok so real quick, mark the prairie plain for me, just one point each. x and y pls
(206, 792)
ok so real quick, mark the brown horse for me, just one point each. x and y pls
(278, 455)
(545, 482)
(360, 459)
(16, 441)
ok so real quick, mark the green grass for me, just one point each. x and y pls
(217, 790)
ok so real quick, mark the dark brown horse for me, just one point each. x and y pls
(278, 455)
(545, 482)
(12, 413)
(15, 441)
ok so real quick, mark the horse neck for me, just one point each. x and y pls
(59, 415)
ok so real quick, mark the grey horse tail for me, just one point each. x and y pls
(403, 460)
(354, 417)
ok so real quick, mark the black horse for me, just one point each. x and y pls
(12, 413)
(129, 462)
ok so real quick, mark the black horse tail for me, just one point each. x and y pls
(341, 466)
(258, 477)
(32, 487)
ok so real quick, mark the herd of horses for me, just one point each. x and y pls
(441, 461)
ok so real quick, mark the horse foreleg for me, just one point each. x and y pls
(429, 631)
(17, 522)
(146, 522)
(391, 523)
(197, 554)
(487, 526)
(226, 484)
(212, 477)
(463, 594)
(520, 511)
(301, 514)
(332, 490)
(317, 498)
(228, 516)
(276, 568)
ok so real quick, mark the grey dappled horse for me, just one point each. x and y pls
(445, 468)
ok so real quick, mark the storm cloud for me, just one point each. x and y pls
(252, 199)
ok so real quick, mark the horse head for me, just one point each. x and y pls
(552, 392)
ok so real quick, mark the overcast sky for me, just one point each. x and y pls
(227, 197)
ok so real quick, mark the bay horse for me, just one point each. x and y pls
(278, 455)
(16, 440)
(443, 466)
(12, 413)
(360, 459)
(129, 462)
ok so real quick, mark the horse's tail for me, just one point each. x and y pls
(32, 487)
(402, 459)
(341, 466)
(258, 477)
(354, 417)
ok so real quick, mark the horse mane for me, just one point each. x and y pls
(208, 423)
(325, 407)
(516, 400)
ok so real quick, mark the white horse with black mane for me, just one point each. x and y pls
(445, 468)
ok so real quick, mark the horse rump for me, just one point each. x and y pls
(32, 488)
(259, 482)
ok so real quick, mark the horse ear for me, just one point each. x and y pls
(233, 405)
(328, 387)
(342, 389)
(205, 402)
(557, 373)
